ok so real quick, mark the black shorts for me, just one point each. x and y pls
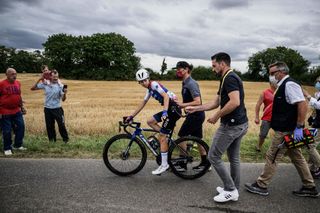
(192, 125)
(169, 123)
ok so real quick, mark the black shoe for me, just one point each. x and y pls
(256, 189)
(307, 192)
(65, 140)
(316, 174)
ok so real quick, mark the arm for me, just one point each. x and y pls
(257, 109)
(140, 107)
(64, 95)
(302, 112)
(205, 107)
(196, 102)
(34, 87)
(165, 101)
(233, 103)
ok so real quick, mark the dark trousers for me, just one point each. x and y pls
(52, 115)
(12, 122)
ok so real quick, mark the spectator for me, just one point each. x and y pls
(288, 115)
(53, 111)
(314, 157)
(233, 126)
(46, 74)
(266, 98)
(11, 111)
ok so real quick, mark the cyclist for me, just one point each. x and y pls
(191, 96)
(170, 114)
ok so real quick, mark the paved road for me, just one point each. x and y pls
(81, 185)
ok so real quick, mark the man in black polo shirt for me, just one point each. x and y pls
(233, 126)
(288, 115)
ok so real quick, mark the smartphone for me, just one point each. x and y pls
(65, 86)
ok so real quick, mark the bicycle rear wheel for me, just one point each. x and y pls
(184, 157)
(124, 156)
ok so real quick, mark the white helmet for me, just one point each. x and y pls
(142, 74)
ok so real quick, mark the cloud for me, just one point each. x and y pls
(223, 4)
(175, 28)
(8, 5)
(21, 39)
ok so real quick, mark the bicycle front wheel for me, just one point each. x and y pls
(124, 156)
(186, 157)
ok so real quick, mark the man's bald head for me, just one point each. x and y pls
(11, 74)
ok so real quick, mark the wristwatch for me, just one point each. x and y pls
(299, 126)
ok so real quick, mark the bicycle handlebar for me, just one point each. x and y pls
(130, 124)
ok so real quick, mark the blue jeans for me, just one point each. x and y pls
(12, 122)
(227, 138)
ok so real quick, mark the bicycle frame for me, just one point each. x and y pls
(138, 134)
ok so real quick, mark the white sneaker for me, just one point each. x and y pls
(219, 189)
(7, 152)
(161, 169)
(226, 196)
(21, 148)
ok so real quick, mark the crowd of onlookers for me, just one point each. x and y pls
(12, 108)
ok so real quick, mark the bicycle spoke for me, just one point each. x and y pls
(124, 156)
(185, 157)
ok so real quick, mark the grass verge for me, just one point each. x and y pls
(92, 147)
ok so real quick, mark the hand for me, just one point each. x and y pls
(190, 109)
(178, 103)
(128, 119)
(298, 134)
(164, 115)
(305, 93)
(65, 90)
(257, 120)
(23, 110)
(213, 119)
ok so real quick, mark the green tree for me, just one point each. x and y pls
(163, 66)
(61, 50)
(258, 63)
(100, 56)
(5, 55)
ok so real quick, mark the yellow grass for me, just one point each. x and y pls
(95, 107)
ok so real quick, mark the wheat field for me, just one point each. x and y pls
(93, 108)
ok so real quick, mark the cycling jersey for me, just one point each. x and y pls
(155, 90)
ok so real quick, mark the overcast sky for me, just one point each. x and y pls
(192, 30)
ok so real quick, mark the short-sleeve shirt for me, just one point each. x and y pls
(190, 91)
(53, 95)
(10, 97)
(267, 102)
(155, 90)
(232, 82)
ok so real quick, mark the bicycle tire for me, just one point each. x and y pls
(192, 158)
(117, 161)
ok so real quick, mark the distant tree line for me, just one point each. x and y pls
(111, 56)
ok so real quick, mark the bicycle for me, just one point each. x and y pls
(125, 154)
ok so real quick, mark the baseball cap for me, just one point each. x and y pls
(182, 64)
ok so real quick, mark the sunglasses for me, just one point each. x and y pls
(274, 72)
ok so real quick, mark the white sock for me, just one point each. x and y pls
(164, 158)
